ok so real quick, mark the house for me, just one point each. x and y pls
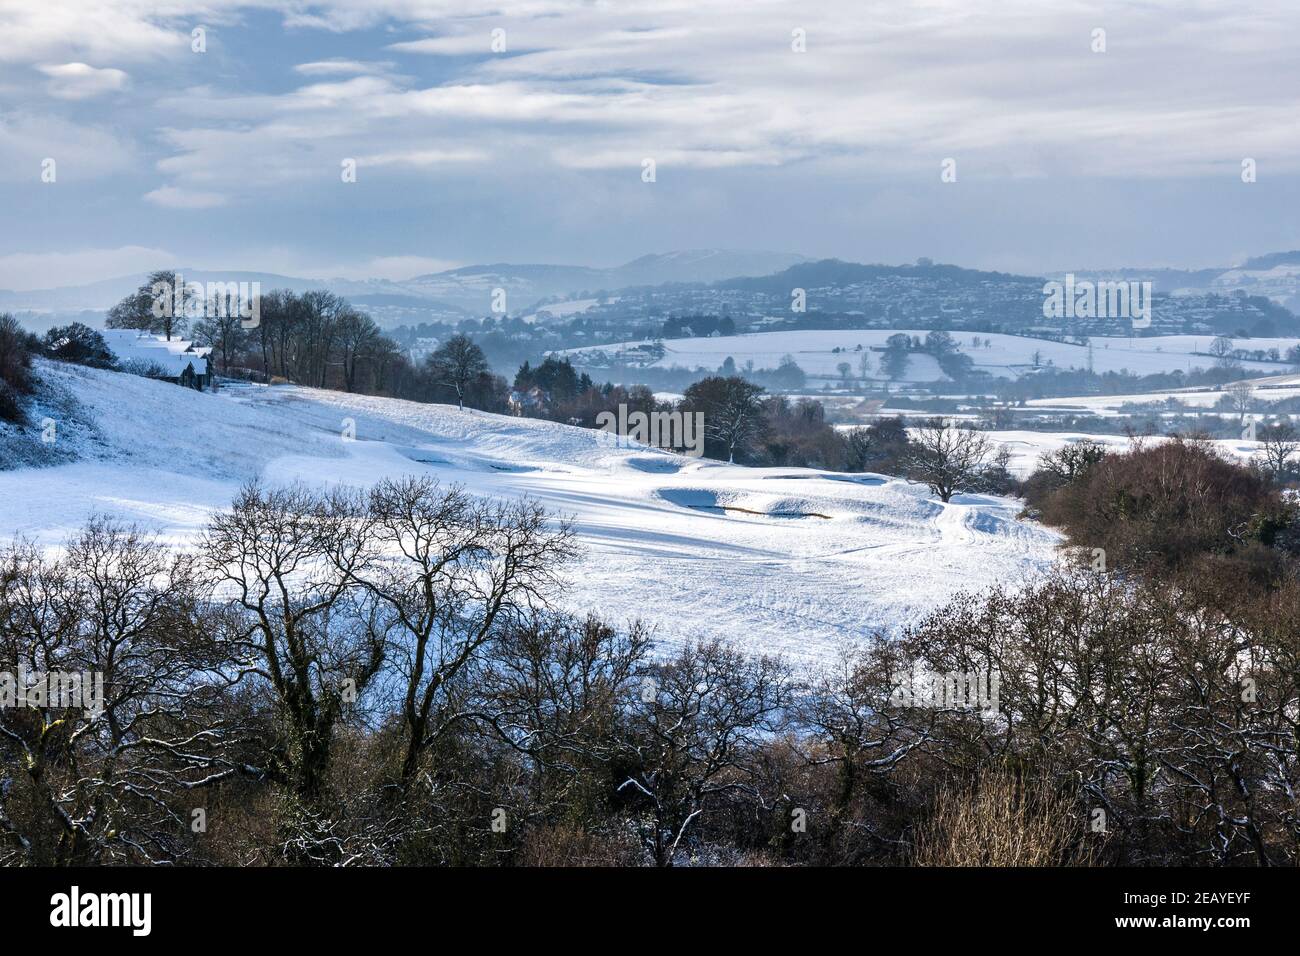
(530, 399)
(420, 350)
(176, 361)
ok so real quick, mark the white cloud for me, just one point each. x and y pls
(1008, 87)
(80, 151)
(172, 197)
(423, 157)
(342, 67)
(124, 31)
(885, 91)
(79, 81)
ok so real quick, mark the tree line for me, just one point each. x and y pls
(313, 338)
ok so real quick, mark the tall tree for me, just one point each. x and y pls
(358, 337)
(222, 330)
(320, 315)
(160, 305)
(290, 557)
(456, 365)
(895, 358)
(464, 568)
(733, 412)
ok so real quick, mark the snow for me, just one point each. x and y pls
(1009, 356)
(775, 559)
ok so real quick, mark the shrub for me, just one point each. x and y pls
(1166, 504)
(79, 344)
(16, 379)
(1000, 821)
(143, 368)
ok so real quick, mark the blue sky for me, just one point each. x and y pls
(1066, 157)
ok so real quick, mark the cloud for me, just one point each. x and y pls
(80, 150)
(124, 31)
(1008, 88)
(172, 197)
(341, 67)
(710, 89)
(424, 157)
(79, 81)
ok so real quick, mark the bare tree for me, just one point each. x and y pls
(223, 332)
(111, 775)
(358, 338)
(701, 719)
(1221, 348)
(854, 734)
(947, 458)
(558, 690)
(461, 569)
(1073, 460)
(456, 365)
(291, 557)
(1242, 399)
(161, 304)
(320, 314)
(1278, 444)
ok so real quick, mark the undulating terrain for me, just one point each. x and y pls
(780, 559)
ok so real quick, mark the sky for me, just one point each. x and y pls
(216, 134)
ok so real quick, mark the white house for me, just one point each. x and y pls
(144, 353)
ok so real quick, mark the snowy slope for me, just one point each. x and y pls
(1007, 356)
(780, 559)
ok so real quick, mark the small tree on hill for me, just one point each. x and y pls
(456, 365)
(948, 459)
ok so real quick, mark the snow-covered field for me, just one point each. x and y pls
(1025, 447)
(563, 310)
(1007, 356)
(814, 560)
(1267, 389)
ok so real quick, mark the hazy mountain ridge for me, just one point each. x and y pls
(468, 290)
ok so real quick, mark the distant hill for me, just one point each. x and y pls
(470, 287)
(835, 272)
(468, 290)
(1272, 261)
(463, 291)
